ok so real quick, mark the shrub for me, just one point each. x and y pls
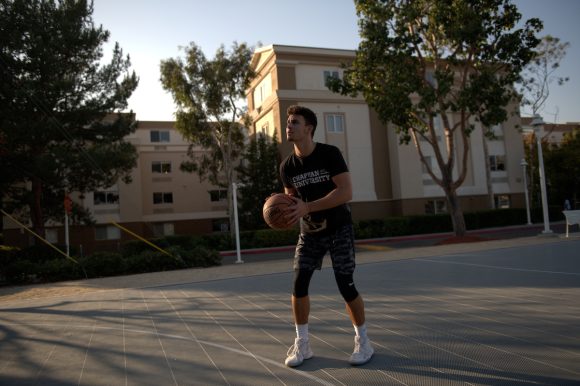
(21, 271)
(201, 257)
(59, 269)
(101, 264)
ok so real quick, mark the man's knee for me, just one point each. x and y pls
(301, 282)
(346, 287)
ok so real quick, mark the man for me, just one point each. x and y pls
(317, 177)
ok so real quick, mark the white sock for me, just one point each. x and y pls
(302, 331)
(361, 330)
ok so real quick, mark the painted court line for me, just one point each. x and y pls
(201, 342)
(500, 268)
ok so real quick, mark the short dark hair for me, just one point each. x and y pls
(309, 115)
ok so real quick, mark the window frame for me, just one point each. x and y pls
(334, 117)
(162, 198)
(159, 136)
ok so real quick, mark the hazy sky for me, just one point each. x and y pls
(153, 30)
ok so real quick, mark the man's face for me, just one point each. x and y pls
(296, 128)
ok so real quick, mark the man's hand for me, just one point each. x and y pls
(297, 211)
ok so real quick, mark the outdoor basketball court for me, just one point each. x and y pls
(505, 315)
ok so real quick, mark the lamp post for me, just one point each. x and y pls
(236, 222)
(523, 163)
(537, 126)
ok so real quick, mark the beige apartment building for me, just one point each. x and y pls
(160, 200)
(388, 178)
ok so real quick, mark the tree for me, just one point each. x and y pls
(563, 169)
(57, 127)
(539, 74)
(260, 177)
(422, 64)
(207, 93)
(534, 87)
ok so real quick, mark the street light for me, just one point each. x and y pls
(236, 222)
(537, 128)
(524, 164)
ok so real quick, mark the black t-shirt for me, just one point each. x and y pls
(311, 176)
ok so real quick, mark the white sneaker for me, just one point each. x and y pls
(363, 351)
(299, 351)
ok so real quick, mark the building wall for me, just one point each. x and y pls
(387, 176)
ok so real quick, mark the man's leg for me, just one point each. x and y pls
(343, 261)
(356, 311)
(301, 310)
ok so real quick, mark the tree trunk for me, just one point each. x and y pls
(456, 214)
(36, 214)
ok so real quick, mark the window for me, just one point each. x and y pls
(51, 235)
(159, 135)
(106, 198)
(163, 229)
(107, 232)
(162, 198)
(330, 74)
(161, 167)
(220, 225)
(218, 195)
(496, 163)
(435, 207)
(502, 201)
(265, 130)
(334, 123)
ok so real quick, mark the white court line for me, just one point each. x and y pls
(64, 328)
(123, 297)
(236, 340)
(465, 339)
(495, 321)
(207, 354)
(500, 268)
(159, 339)
(500, 312)
(87, 354)
(385, 347)
(522, 294)
(190, 339)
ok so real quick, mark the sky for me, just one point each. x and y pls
(154, 30)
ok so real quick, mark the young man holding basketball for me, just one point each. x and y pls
(317, 177)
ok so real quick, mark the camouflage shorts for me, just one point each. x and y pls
(311, 248)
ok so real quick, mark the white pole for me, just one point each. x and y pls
(524, 164)
(547, 229)
(236, 223)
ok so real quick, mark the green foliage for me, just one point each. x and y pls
(424, 60)
(539, 74)
(101, 264)
(54, 97)
(260, 177)
(206, 92)
(563, 169)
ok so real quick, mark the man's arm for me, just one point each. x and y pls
(338, 196)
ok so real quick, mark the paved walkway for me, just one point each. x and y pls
(495, 312)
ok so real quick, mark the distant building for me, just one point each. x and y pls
(553, 133)
(388, 178)
(161, 199)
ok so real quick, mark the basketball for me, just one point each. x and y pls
(275, 209)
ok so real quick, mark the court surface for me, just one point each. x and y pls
(500, 313)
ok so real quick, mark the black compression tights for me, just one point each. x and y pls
(345, 284)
